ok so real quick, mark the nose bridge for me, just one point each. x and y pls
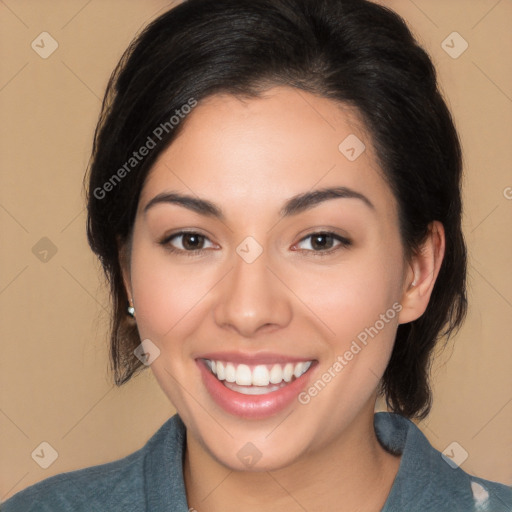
(251, 297)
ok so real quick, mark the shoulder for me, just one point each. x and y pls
(119, 485)
(91, 488)
(429, 481)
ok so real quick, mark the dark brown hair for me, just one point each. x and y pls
(351, 51)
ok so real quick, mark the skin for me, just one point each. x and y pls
(249, 156)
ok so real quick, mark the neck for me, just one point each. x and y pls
(352, 473)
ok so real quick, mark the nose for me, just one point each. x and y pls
(251, 299)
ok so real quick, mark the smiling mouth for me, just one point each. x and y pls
(256, 379)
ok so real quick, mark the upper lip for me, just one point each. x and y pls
(254, 358)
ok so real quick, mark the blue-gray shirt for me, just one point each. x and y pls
(151, 479)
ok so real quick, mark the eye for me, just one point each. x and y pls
(187, 241)
(323, 243)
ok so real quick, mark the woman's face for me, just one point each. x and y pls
(271, 278)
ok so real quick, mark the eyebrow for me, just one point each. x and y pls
(293, 206)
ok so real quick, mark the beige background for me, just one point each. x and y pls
(54, 315)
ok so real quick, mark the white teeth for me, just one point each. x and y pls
(297, 371)
(276, 374)
(288, 372)
(260, 375)
(230, 373)
(220, 371)
(243, 375)
(301, 368)
(253, 390)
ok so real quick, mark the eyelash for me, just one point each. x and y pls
(343, 243)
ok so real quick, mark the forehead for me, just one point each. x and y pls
(260, 151)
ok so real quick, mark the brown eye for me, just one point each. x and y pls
(187, 242)
(323, 242)
(192, 241)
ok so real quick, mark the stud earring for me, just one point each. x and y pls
(131, 310)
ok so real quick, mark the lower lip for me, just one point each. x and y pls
(252, 406)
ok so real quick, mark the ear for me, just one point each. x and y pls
(123, 250)
(422, 273)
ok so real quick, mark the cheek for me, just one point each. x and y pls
(359, 303)
(168, 306)
(167, 296)
(352, 295)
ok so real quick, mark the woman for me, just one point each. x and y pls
(274, 194)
